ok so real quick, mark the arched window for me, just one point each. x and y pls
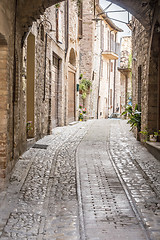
(80, 19)
(72, 57)
(42, 32)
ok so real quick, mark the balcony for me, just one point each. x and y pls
(112, 53)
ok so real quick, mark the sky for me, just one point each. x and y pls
(123, 16)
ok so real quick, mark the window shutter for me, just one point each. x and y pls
(80, 19)
(57, 24)
(60, 27)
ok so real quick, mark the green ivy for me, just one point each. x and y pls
(84, 86)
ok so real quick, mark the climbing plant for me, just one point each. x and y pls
(84, 86)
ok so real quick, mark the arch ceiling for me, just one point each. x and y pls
(29, 10)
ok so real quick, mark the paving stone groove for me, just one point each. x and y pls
(71, 190)
(23, 210)
(106, 210)
(140, 172)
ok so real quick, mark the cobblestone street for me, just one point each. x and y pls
(91, 180)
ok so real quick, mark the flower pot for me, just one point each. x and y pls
(152, 138)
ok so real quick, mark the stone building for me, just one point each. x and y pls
(16, 19)
(124, 87)
(43, 73)
(41, 69)
(74, 36)
(98, 60)
(146, 83)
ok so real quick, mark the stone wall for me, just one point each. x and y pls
(140, 45)
(126, 52)
(6, 81)
(13, 59)
(72, 57)
(125, 68)
(86, 49)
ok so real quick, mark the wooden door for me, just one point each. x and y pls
(55, 95)
(71, 97)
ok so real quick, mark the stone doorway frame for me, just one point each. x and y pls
(3, 109)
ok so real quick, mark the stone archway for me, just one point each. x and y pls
(3, 107)
(30, 11)
(72, 57)
(71, 86)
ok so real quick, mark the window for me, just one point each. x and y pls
(42, 32)
(55, 60)
(80, 19)
(112, 43)
(102, 66)
(58, 25)
(108, 38)
(111, 66)
(102, 36)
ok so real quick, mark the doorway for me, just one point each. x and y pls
(30, 84)
(55, 90)
(71, 96)
(71, 86)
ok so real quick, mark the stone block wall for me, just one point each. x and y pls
(126, 51)
(140, 54)
(86, 44)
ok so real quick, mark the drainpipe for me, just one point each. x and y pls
(67, 26)
(109, 80)
(14, 78)
(94, 8)
(99, 71)
(126, 88)
(45, 64)
(99, 83)
(114, 82)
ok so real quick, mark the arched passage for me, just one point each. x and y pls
(30, 11)
(3, 106)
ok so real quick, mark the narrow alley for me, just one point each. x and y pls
(91, 180)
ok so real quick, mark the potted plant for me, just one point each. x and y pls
(134, 119)
(82, 112)
(28, 128)
(84, 86)
(145, 133)
(154, 137)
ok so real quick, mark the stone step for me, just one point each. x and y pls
(154, 149)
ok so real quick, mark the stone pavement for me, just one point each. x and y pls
(91, 181)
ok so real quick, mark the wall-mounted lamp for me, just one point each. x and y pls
(45, 20)
(77, 87)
